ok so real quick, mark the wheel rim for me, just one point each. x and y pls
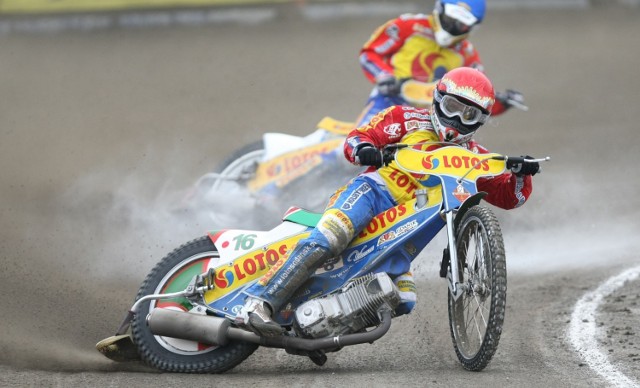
(177, 280)
(472, 310)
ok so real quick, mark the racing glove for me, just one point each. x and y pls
(388, 85)
(369, 156)
(510, 98)
(529, 168)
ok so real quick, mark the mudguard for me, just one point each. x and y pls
(466, 205)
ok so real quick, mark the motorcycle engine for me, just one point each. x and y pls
(350, 309)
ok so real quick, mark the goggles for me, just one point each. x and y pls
(469, 115)
(456, 20)
(453, 26)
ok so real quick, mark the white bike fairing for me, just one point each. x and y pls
(276, 144)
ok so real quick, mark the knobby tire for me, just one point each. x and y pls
(477, 317)
(152, 352)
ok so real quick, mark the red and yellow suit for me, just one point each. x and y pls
(405, 47)
(403, 124)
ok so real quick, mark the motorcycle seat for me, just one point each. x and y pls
(301, 216)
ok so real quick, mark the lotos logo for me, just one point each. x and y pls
(430, 67)
(464, 162)
(248, 267)
(428, 164)
(383, 220)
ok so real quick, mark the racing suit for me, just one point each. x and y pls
(405, 47)
(353, 206)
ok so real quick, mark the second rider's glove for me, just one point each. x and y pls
(388, 85)
(529, 168)
(510, 98)
(369, 156)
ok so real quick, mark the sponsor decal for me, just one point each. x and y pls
(335, 196)
(293, 266)
(383, 48)
(429, 164)
(236, 309)
(403, 181)
(331, 265)
(415, 115)
(393, 32)
(292, 162)
(402, 230)
(341, 273)
(415, 124)
(300, 171)
(358, 255)
(518, 191)
(246, 267)
(455, 161)
(393, 130)
(461, 193)
(287, 167)
(383, 220)
(355, 196)
(336, 226)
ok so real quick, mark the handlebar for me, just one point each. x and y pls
(517, 105)
(389, 150)
(512, 161)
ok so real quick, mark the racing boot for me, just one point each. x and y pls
(256, 315)
(274, 289)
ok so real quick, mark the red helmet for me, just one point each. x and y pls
(462, 102)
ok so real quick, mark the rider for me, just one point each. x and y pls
(423, 47)
(462, 103)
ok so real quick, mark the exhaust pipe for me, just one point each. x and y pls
(211, 330)
(205, 329)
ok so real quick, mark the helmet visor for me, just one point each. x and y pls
(469, 115)
(453, 26)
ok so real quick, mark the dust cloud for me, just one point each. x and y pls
(103, 131)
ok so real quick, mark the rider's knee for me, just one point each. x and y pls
(335, 230)
(407, 290)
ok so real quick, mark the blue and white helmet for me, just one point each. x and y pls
(454, 19)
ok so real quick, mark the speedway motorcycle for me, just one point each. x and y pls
(266, 176)
(270, 174)
(183, 316)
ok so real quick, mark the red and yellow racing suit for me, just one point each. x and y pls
(405, 47)
(403, 124)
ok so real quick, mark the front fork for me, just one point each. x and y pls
(453, 276)
(451, 253)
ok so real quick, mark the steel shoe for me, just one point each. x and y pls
(256, 316)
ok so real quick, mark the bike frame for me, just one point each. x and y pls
(389, 244)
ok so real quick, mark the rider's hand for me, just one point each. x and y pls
(369, 156)
(510, 97)
(388, 85)
(529, 168)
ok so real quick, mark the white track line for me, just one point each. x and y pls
(583, 332)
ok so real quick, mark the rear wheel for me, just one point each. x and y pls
(173, 274)
(477, 316)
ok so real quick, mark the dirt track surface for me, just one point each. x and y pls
(99, 129)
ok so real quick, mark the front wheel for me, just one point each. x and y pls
(222, 196)
(173, 274)
(477, 316)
